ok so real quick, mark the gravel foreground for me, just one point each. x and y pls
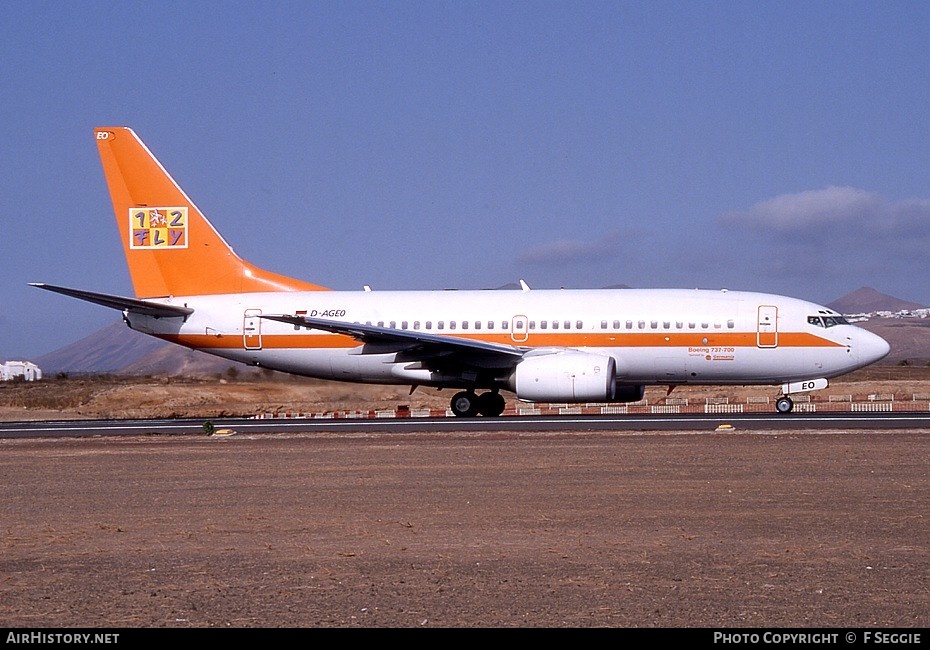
(578, 530)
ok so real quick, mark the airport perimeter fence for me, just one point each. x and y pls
(879, 402)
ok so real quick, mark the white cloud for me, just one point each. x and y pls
(855, 217)
(813, 210)
(571, 251)
(832, 237)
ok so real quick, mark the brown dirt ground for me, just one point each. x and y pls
(778, 530)
(211, 397)
(398, 530)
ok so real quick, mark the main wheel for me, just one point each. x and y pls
(464, 404)
(491, 404)
(784, 404)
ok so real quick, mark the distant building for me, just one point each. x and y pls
(25, 369)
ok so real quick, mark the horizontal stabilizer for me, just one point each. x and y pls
(134, 305)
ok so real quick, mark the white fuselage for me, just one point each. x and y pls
(655, 336)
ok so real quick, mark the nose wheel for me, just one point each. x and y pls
(784, 404)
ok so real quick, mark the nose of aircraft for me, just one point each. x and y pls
(871, 347)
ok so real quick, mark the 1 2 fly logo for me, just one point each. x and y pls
(158, 227)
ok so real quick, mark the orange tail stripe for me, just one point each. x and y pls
(170, 247)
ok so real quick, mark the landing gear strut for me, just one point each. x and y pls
(784, 404)
(466, 404)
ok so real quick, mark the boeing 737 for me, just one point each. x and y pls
(597, 345)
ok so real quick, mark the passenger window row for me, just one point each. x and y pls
(440, 325)
(520, 324)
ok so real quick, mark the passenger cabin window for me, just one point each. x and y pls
(578, 325)
(416, 324)
(542, 324)
(555, 324)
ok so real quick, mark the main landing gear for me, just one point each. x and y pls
(467, 404)
(784, 404)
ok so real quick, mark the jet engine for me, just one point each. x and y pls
(566, 376)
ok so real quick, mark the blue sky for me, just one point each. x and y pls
(772, 146)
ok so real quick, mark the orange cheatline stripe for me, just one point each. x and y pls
(305, 340)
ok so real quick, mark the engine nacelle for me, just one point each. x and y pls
(567, 376)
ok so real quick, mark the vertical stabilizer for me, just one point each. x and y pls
(171, 248)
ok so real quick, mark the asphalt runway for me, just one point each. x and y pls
(797, 422)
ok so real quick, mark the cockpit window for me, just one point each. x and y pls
(826, 321)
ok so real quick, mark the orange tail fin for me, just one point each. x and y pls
(171, 248)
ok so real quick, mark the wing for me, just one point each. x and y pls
(133, 305)
(414, 345)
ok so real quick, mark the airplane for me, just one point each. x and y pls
(566, 346)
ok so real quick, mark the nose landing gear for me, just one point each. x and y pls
(784, 404)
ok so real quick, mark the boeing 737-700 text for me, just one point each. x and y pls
(542, 345)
